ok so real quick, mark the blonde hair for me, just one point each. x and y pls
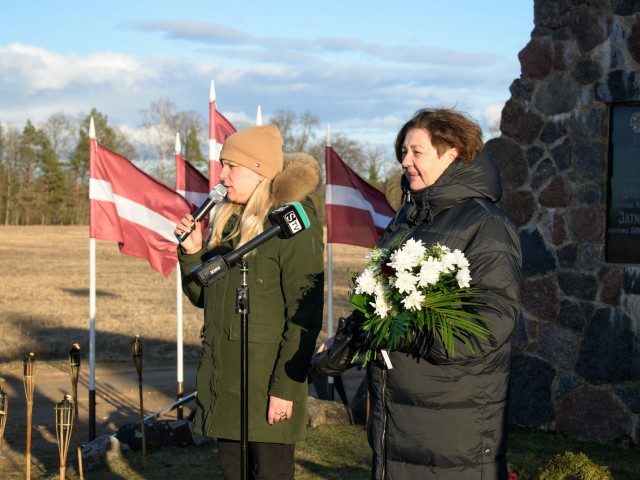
(252, 217)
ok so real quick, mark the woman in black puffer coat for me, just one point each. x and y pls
(434, 415)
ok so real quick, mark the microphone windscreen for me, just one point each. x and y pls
(291, 218)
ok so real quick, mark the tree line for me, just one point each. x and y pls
(44, 168)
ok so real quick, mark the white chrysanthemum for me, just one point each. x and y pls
(459, 259)
(430, 270)
(366, 282)
(407, 257)
(405, 282)
(413, 301)
(448, 262)
(415, 249)
(464, 278)
(381, 305)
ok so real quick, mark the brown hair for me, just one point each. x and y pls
(448, 128)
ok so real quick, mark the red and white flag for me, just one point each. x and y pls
(190, 183)
(357, 213)
(219, 129)
(134, 209)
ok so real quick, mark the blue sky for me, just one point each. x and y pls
(363, 67)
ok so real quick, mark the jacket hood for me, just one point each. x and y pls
(459, 183)
(479, 178)
(299, 177)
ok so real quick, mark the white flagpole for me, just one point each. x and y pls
(179, 327)
(213, 147)
(329, 280)
(259, 116)
(92, 320)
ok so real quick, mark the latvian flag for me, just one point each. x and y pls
(357, 213)
(134, 209)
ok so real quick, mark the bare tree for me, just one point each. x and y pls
(162, 122)
(297, 134)
(62, 131)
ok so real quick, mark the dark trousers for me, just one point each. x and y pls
(267, 461)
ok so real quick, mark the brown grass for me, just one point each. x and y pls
(44, 292)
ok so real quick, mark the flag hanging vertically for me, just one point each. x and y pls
(357, 213)
(219, 129)
(134, 209)
(190, 183)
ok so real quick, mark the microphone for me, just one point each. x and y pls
(217, 195)
(286, 221)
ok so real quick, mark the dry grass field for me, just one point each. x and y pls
(44, 292)
(44, 308)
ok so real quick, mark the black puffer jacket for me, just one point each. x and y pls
(434, 416)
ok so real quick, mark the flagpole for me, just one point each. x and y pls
(92, 314)
(179, 326)
(213, 146)
(329, 280)
(259, 116)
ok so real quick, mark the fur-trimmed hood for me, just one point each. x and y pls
(299, 177)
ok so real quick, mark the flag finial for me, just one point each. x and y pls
(212, 92)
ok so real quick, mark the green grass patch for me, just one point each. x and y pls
(342, 452)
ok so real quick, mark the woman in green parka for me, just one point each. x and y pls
(285, 280)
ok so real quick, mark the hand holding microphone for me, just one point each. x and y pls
(191, 223)
(286, 221)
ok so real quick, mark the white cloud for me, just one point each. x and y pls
(364, 90)
(492, 115)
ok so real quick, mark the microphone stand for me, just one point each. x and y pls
(242, 308)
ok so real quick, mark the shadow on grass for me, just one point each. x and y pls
(53, 342)
(84, 292)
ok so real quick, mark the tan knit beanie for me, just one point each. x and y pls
(257, 148)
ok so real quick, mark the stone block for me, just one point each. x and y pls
(158, 434)
(538, 259)
(556, 194)
(540, 298)
(101, 450)
(610, 350)
(558, 95)
(327, 412)
(593, 414)
(542, 173)
(520, 206)
(571, 315)
(578, 285)
(530, 402)
(558, 344)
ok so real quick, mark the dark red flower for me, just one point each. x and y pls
(513, 475)
(386, 269)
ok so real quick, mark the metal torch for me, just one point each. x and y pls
(28, 390)
(74, 370)
(136, 352)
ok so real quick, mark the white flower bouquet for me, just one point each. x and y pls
(411, 290)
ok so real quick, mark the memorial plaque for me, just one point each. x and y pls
(622, 244)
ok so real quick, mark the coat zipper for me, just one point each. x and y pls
(384, 422)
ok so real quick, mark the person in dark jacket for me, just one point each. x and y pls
(434, 415)
(285, 280)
